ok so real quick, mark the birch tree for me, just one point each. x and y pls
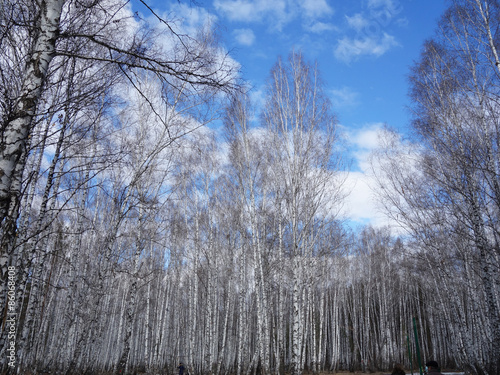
(450, 188)
(299, 117)
(49, 30)
(248, 154)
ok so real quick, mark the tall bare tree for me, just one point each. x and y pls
(299, 117)
(447, 187)
(38, 36)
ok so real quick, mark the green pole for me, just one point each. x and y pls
(409, 353)
(418, 349)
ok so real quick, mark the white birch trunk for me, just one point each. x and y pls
(242, 321)
(228, 310)
(296, 318)
(193, 305)
(147, 350)
(17, 131)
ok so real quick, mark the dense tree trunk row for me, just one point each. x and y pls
(444, 187)
(358, 310)
(225, 265)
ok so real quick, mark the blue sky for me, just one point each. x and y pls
(364, 50)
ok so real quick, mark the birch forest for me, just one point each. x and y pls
(152, 214)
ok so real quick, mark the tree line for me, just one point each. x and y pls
(134, 237)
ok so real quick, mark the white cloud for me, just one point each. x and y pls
(367, 137)
(251, 11)
(377, 3)
(344, 97)
(389, 8)
(361, 205)
(402, 22)
(362, 142)
(316, 8)
(369, 28)
(358, 22)
(320, 27)
(258, 98)
(244, 37)
(278, 13)
(349, 49)
(189, 19)
(190, 25)
(239, 10)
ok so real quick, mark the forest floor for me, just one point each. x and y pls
(415, 372)
(408, 372)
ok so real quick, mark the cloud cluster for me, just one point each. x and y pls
(245, 37)
(349, 49)
(367, 34)
(344, 97)
(313, 14)
(251, 11)
(361, 206)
